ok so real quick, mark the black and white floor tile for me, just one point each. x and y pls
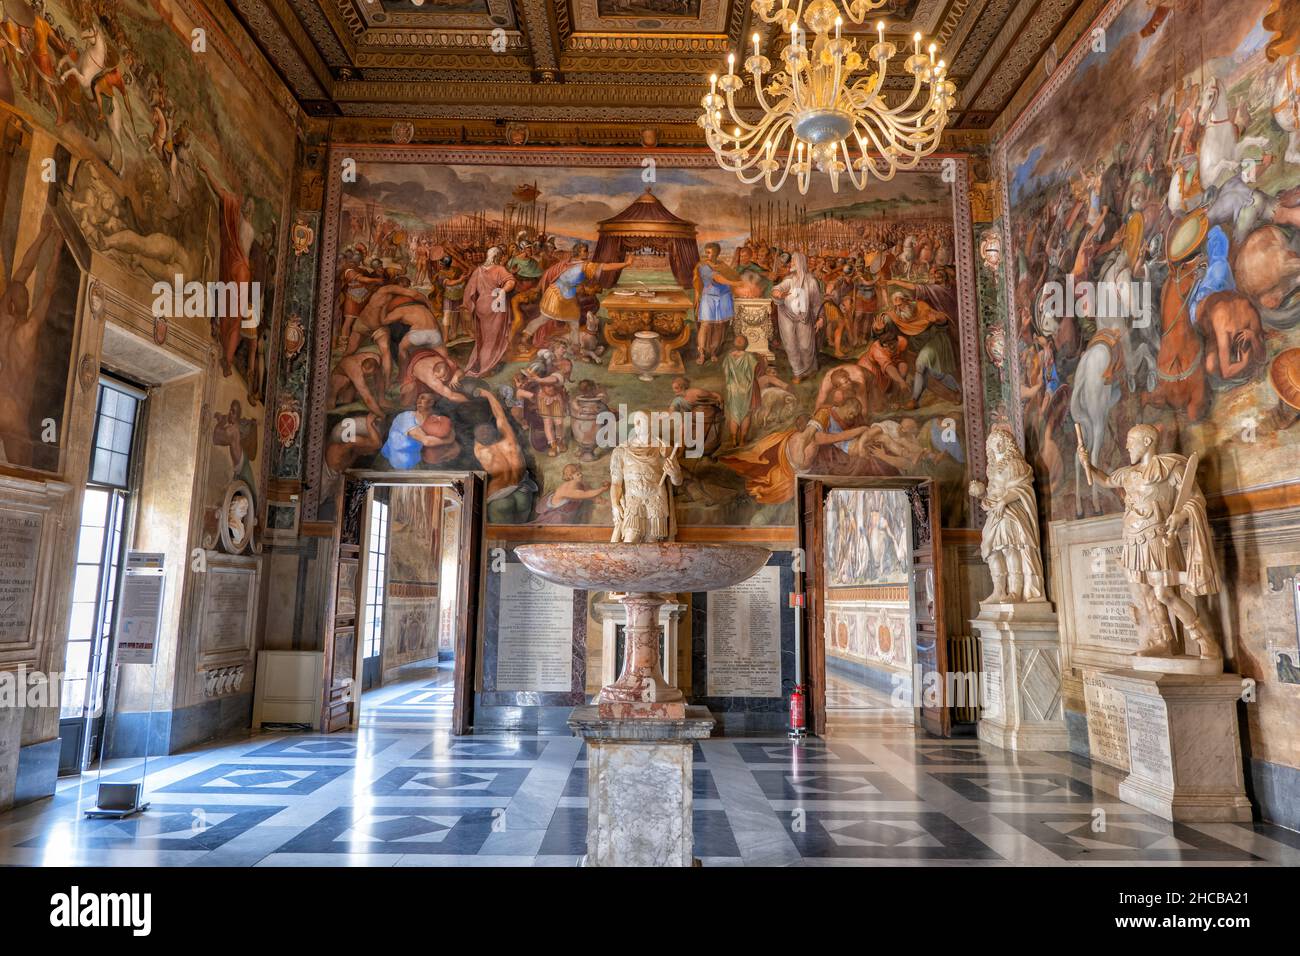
(403, 791)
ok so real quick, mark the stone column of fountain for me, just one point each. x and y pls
(640, 731)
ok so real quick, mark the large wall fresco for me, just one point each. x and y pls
(485, 316)
(168, 163)
(1165, 165)
(40, 286)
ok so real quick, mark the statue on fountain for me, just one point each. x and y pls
(639, 494)
(1160, 496)
(1010, 540)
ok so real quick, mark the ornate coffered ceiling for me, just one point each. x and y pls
(599, 64)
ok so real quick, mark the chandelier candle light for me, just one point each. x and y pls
(825, 101)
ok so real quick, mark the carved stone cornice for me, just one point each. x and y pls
(713, 45)
(497, 98)
(467, 70)
(491, 132)
(436, 41)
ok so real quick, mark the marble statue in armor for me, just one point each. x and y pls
(639, 473)
(1160, 496)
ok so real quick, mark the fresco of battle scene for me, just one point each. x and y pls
(1166, 167)
(486, 317)
(169, 165)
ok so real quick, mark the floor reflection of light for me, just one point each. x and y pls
(60, 846)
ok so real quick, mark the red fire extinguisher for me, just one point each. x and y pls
(797, 728)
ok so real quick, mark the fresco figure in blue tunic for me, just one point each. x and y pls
(714, 306)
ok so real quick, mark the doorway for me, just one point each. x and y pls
(875, 640)
(403, 598)
(410, 572)
(108, 508)
(867, 624)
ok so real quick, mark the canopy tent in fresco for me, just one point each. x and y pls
(647, 223)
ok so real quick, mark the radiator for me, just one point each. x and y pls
(288, 688)
(966, 686)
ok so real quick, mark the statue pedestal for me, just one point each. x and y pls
(1177, 736)
(639, 798)
(1021, 686)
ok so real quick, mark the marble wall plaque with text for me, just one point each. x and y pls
(20, 545)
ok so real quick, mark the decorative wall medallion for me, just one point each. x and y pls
(517, 133)
(303, 236)
(649, 136)
(403, 132)
(96, 301)
(995, 346)
(288, 419)
(237, 519)
(87, 372)
(159, 330)
(295, 336)
(991, 249)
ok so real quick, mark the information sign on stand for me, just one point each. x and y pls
(135, 641)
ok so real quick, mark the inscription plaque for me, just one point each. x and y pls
(1103, 610)
(1108, 737)
(743, 637)
(20, 545)
(534, 633)
(994, 695)
(225, 610)
(1148, 739)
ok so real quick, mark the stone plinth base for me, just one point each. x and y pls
(1176, 735)
(1180, 664)
(639, 786)
(1021, 681)
(641, 709)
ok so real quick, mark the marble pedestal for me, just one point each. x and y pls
(639, 786)
(1021, 686)
(1177, 736)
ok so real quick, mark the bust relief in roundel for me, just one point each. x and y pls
(237, 519)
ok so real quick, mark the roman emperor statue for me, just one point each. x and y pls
(1160, 497)
(641, 472)
(1010, 542)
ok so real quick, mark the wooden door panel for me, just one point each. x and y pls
(812, 501)
(931, 657)
(341, 697)
(467, 603)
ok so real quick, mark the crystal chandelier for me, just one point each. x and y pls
(825, 102)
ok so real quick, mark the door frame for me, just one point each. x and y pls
(467, 487)
(927, 560)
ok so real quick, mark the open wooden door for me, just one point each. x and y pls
(931, 639)
(342, 697)
(470, 489)
(812, 524)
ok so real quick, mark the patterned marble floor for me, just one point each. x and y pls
(403, 792)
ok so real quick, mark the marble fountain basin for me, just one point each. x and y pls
(665, 566)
